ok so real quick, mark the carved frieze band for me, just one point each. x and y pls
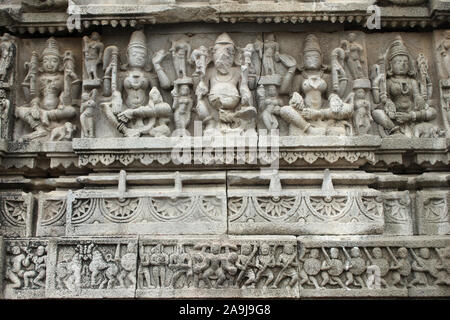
(225, 267)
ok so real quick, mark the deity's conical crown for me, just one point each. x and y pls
(224, 38)
(52, 48)
(137, 40)
(311, 44)
(396, 48)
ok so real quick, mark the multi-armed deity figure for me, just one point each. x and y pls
(229, 106)
(130, 109)
(403, 105)
(316, 116)
(50, 87)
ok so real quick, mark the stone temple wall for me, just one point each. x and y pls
(224, 149)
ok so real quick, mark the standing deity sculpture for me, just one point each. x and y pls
(269, 52)
(182, 105)
(443, 62)
(443, 50)
(93, 54)
(7, 55)
(354, 56)
(181, 53)
(4, 109)
(131, 109)
(200, 57)
(50, 86)
(88, 106)
(362, 115)
(317, 117)
(402, 105)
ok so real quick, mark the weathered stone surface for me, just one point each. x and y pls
(300, 207)
(432, 209)
(92, 268)
(187, 203)
(16, 214)
(374, 266)
(52, 208)
(224, 267)
(25, 270)
(176, 149)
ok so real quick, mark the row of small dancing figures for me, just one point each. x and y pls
(232, 90)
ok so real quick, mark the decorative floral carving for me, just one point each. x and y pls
(82, 209)
(276, 208)
(168, 209)
(372, 207)
(236, 207)
(15, 211)
(397, 209)
(211, 207)
(435, 209)
(120, 210)
(329, 207)
(53, 211)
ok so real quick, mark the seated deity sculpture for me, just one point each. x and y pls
(228, 107)
(402, 103)
(135, 107)
(315, 116)
(49, 88)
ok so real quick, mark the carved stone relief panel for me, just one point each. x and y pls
(301, 209)
(25, 268)
(49, 74)
(433, 212)
(400, 64)
(374, 267)
(16, 214)
(181, 207)
(263, 266)
(94, 268)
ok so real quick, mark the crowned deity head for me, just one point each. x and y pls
(51, 58)
(312, 54)
(400, 62)
(223, 53)
(137, 52)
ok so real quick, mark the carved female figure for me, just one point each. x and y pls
(182, 107)
(132, 103)
(316, 118)
(402, 104)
